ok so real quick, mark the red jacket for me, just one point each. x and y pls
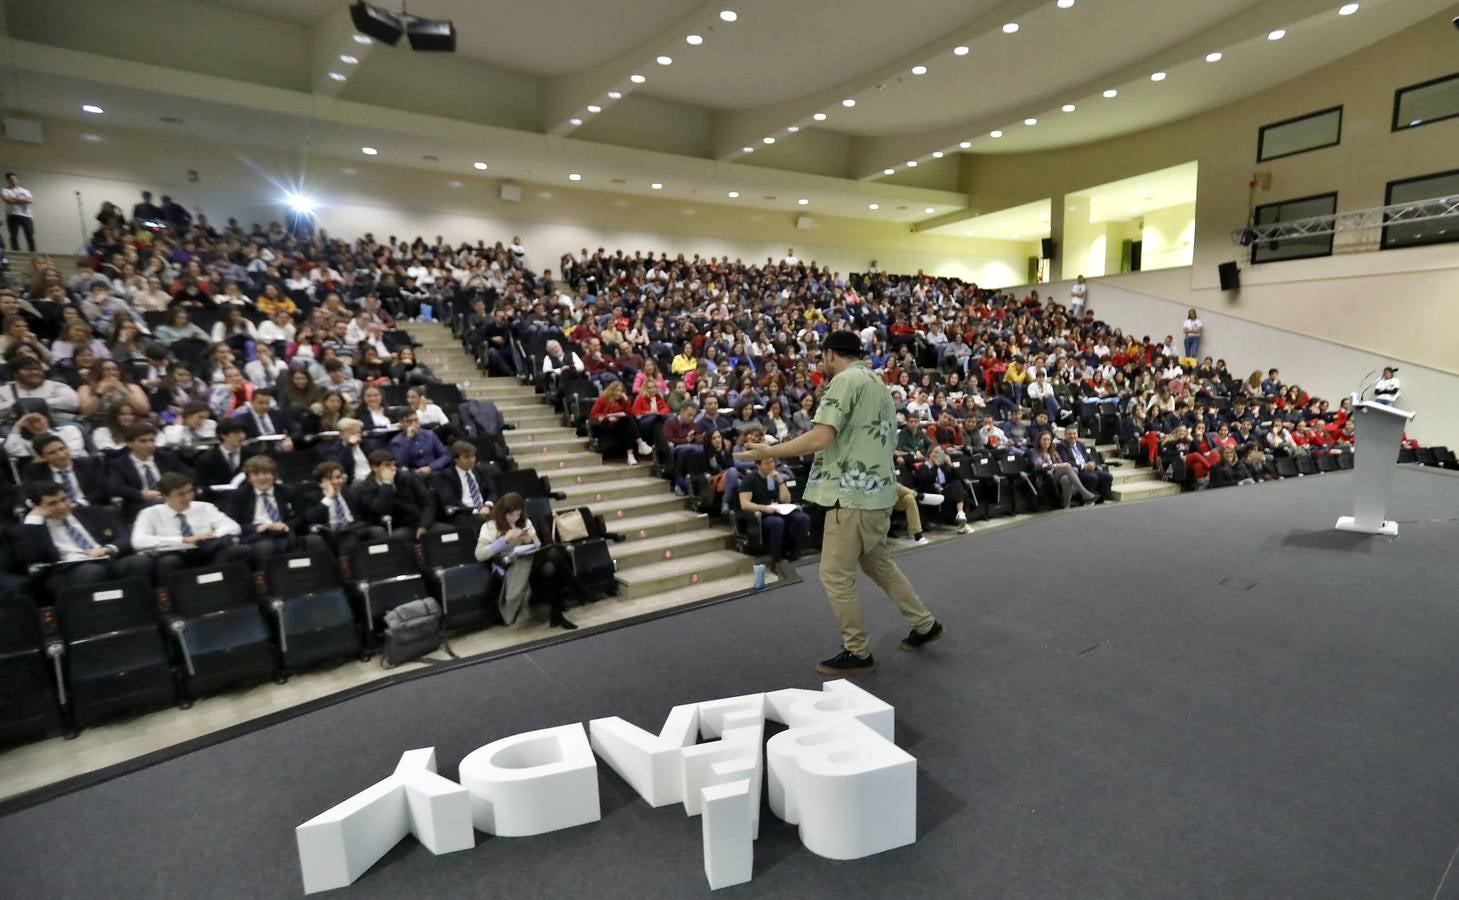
(642, 406)
(605, 407)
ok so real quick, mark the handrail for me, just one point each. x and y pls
(1355, 220)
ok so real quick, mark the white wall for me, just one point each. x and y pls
(1155, 303)
(1168, 239)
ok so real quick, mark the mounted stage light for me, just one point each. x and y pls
(434, 35)
(386, 26)
(380, 24)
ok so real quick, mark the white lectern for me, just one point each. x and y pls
(1378, 431)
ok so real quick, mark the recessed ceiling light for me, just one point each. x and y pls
(767, 140)
(889, 171)
(657, 185)
(1111, 94)
(919, 70)
(337, 76)
(615, 95)
(793, 129)
(965, 144)
(91, 138)
(479, 166)
(574, 121)
(1010, 28)
(803, 201)
(1276, 35)
(1064, 4)
(1347, 9)
(734, 195)
(911, 163)
(748, 149)
(873, 206)
(728, 15)
(349, 60)
(637, 79)
(1213, 56)
(1069, 107)
(848, 102)
(665, 60)
(960, 50)
(693, 40)
(369, 151)
(929, 210)
(1157, 76)
(574, 177)
(995, 133)
(594, 108)
(93, 109)
(937, 154)
(1030, 121)
(819, 117)
(362, 40)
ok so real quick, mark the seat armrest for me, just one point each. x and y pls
(178, 628)
(55, 649)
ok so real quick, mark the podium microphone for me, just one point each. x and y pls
(1364, 385)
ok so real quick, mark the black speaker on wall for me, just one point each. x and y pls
(1230, 276)
(1048, 248)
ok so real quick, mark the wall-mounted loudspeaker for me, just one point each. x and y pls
(1048, 248)
(1230, 276)
(511, 193)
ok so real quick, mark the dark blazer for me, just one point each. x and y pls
(90, 474)
(33, 542)
(212, 467)
(449, 494)
(240, 505)
(407, 501)
(124, 482)
(335, 451)
(1066, 453)
(315, 513)
(284, 422)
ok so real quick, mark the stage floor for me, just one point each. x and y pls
(1211, 696)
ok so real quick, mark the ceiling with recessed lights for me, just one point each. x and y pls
(842, 103)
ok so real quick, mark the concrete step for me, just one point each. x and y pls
(617, 509)
(1143, 490)
(565, 442)
(659, 524)
(515, 407)
(1127, 474)
(598, 492)
(596, 473)
(542, 434)
(640, 552)
(532, 417)
(686, 571)
(552, 463)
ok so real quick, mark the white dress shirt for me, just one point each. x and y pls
(466, 476)
(143, 466)
(260, 512)
(338, 508)
(157, 527)
(67, 479)
(362, 464)
(67, 550)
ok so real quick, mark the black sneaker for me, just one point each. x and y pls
(847, 663)
(916, 640)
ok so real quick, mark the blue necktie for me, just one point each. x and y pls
(68, 481)
(475, 491)
(149, 479)
(185, 529)
(78, 535)
(270, 508)
(341, 512)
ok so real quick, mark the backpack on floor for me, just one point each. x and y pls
(411, 631)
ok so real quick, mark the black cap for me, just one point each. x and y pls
(844, 343)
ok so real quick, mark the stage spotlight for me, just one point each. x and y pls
(380, 24)
(431, 35)
(387, 26)
(300, 204)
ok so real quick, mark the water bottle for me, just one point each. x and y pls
(759, 576)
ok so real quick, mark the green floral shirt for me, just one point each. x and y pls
(856, 470)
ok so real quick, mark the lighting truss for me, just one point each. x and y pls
(1356, 220)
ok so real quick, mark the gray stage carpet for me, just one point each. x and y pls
(1204, 696)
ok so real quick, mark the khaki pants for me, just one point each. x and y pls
(857, 538)
(907, 503)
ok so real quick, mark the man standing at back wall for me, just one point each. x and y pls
(854, 477)
(17, 212)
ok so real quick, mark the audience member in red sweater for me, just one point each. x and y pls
(650, 408)
(612, 416)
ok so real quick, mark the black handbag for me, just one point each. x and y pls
(411, 631)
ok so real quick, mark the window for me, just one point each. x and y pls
(1291, 136)
(1433, 231)
(1294, 247)
(1426, 103)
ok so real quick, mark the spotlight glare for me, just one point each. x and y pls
(1157, 76)
(594, 108)
(369, 151)
(637, 79)
(657, 185)
(748, 149)
(1010, 28)
(873, 206)
(93, 109)
(1214, 56)
(1069, 107)
(1030, 121)
(793, 129)
(574, 121)
(480, 166)
(615, 95)
(768, 140)
(1064, 4)
(937, 154)
(362, 40)
(337, 76)
(693, 40)
(349, 60)
(573, 176)
(911, 163)
(734, 195)
(803, 201)
(1111, 94)
(665, 60)
(848, 102)
(889, 171)
(728, 15)
(1347, 9)
(300, 204)
(819, 117)
(919, 70)
(966, 144)
(1277, 35)
(995, 133)
(960, 50)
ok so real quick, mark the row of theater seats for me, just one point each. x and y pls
(124, 646)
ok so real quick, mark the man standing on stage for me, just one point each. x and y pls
(854, 478)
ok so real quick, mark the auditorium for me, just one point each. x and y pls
(664, 449)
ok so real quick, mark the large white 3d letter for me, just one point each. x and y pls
(338, 845)
(852, 791)
(649, 764)
(534, 782)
